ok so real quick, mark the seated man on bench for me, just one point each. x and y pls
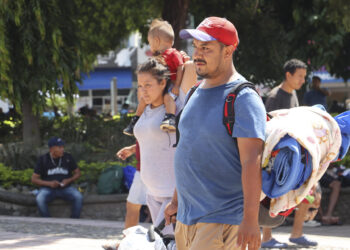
(54, 172)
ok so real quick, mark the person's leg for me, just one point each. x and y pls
(164, 202)
(169, 103)
(299, 218)
(156, 206)
(230, 236)
(209, 236)
(296, 235)
(129, 130)
(44, 196)
(72, 194)
(182, 234)
(333, 197)
(267, 234)
(132, 216)
(135, 199)
(269, 242)
(140, 107)
(169, 122)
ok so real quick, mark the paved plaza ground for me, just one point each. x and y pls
(69, 234)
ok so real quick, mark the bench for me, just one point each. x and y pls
(102, 207)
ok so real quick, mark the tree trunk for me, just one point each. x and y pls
(31, 131)
(175, 12)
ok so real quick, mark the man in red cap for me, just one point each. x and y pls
(218, 178)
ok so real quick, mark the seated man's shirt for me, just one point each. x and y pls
(207, 164)
(58, 169)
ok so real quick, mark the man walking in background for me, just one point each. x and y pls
(284, 97)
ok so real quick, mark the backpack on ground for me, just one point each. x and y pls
(110, 180)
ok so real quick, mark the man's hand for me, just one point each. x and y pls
(54, 184)
(170, 213)
(175, 90)
(65, 182)
(126, 152)
(249, 235)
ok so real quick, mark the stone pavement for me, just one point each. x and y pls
(33, 233)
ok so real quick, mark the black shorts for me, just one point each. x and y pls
(326, 180)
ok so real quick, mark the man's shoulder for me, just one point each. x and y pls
(44, 157)
(274, 92)
(67, 156)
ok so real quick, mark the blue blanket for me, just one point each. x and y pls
(292, 166)
(343, 121)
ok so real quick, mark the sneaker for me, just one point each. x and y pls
(168, 123)
(273, 244)
(129, 130)
(312, 223)
(303, 241)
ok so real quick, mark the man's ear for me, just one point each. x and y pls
(228, 51)
(288, 75)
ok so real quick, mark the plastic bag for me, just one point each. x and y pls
(136, 239)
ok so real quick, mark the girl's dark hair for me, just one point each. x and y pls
(157, 70)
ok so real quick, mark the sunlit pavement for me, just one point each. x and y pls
(64, 234)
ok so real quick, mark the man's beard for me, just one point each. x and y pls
(207, 75)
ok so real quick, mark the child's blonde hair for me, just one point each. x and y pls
(162, 29)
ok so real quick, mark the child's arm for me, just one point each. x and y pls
(179, 75)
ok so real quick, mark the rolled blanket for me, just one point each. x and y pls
(291, 131)
(290, 168)
(343, 121)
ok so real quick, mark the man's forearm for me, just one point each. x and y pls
(40, 182)
(75, 176)
(251, 184)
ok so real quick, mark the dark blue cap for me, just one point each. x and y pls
(55, 141)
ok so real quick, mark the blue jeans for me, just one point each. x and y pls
(46, 195)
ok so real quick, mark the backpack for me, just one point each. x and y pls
(110, 180)
(229, 110)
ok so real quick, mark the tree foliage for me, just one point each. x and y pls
(273, 31)
(46, 42)
(45, 45)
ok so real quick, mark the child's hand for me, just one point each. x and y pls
(185, 57)
(175, 90)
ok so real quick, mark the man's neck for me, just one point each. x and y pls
(53, 156)
(222, 78)
(285, 86)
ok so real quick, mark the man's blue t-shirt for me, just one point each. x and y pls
(207, 165)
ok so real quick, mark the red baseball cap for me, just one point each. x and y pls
(213, 29)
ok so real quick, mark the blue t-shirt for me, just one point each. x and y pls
(207, 165)
(314, 97)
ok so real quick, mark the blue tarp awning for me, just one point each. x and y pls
(326, 77)
(101, 79)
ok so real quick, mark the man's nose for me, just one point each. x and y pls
(196, 54)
